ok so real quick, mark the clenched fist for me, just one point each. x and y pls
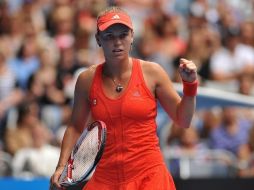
(187, 70)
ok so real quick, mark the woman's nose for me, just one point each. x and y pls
(117, 40)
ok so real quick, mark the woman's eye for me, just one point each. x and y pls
(111, 36)
(108, 37)
(123, 35)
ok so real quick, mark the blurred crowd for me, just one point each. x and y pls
(45, 44)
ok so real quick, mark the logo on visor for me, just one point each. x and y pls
(115, 17)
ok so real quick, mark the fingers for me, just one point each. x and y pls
(52, 187)
(54, 184)
(187, 66)
(187, 70)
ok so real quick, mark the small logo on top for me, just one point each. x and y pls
(136, 94)
(94, 102)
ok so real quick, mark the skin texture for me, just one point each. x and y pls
(116, 43)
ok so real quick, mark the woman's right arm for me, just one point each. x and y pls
(80, 116)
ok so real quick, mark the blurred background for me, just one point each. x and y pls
(45, 44)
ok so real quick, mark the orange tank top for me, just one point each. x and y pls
(132, 146)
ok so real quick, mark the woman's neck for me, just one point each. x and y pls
(117, 68)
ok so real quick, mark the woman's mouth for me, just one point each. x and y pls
(117, 50)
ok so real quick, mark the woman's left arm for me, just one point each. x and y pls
(180, 109)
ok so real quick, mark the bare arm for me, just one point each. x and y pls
(187, 106)
(80, 116)
(180, 110)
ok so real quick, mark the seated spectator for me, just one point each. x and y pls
(19, 136)
(231, 61)
(26, 62)
(188, 146)
(207, 120)
(189, 143)
(10, 94)
(232, 131)
(38, 160)
(246, 157)
(247, 32)
(246, 86)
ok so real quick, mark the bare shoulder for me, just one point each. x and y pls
(85, 78)
(88, 74)
(154, 75)
(152, 69)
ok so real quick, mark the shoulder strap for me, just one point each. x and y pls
(96, 80)
(138, 71)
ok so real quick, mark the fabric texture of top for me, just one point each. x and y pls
(132, 149)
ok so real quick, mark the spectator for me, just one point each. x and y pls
(232, 131)
(14, 35)
(4, 18)
(246, 157)
(246, 85)
(207, 121)
(38, 160)
(63, 25)
(26, 62)
(201, 43)
(247, 33)
(10, 94)
(232, 61)
(188, 145)
(19, 136)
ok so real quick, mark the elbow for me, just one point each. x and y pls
(184, 117)
(186, 126)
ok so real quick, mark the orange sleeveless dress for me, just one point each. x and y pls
(132, 159)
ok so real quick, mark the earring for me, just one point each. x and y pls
(131, 46)
(99, 45)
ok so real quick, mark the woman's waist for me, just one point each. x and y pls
(120, 168)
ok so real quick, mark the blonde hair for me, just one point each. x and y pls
(110, 10)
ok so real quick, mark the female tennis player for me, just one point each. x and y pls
(123, 92)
